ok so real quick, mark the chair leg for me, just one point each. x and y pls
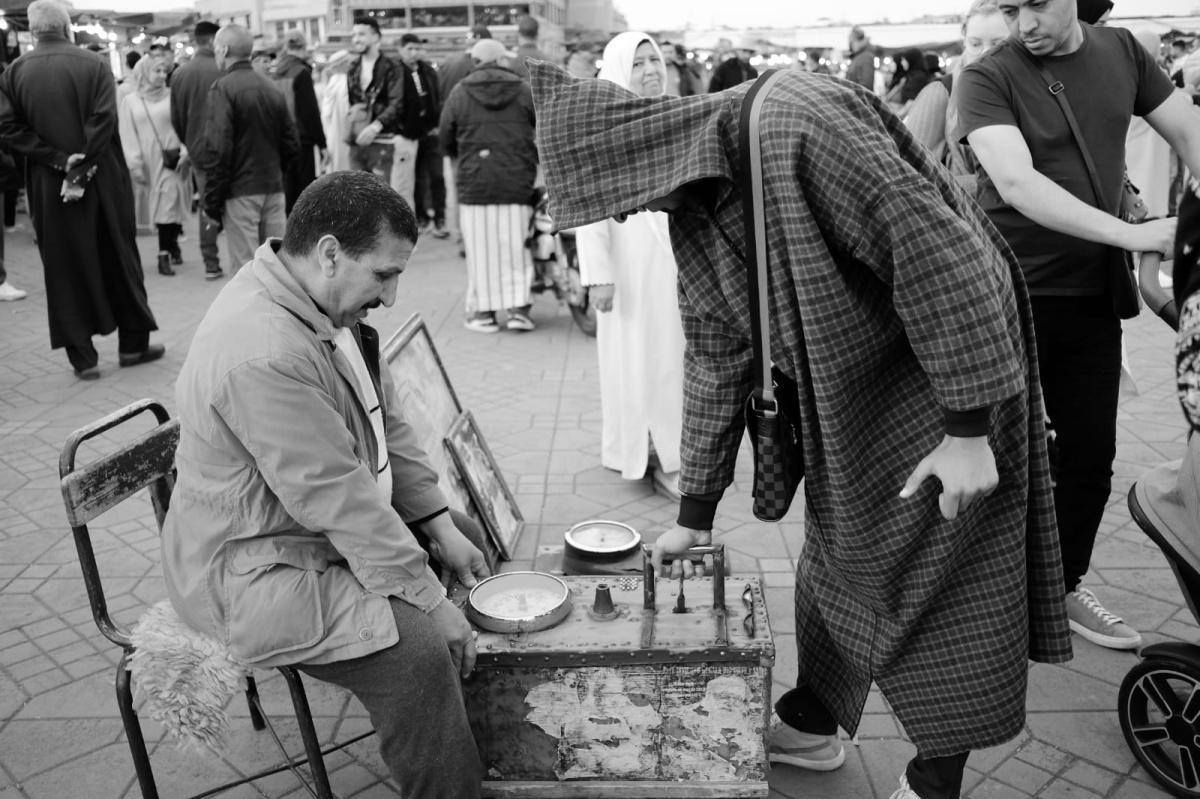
(308, 732)
(256, 719)
(133, 731)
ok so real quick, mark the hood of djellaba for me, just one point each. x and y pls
(606, 151)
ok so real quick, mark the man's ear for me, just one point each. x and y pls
(328, 249)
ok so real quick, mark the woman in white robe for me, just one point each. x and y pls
(631, 273)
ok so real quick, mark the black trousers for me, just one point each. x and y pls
(1079, 358)
(168, 237)
(430, 187)
(302, 173)
(129, 342)
(930, 777)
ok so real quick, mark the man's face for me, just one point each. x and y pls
(359, 284)
(363, 38)
(409, 54)
(220, 51)
(1043, 26)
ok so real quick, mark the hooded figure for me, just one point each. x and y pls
(631, 274)
(903, 318)
(487, 128)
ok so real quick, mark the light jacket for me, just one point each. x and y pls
(277, 541)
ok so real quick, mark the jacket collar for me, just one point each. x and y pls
(287, 292)
(238, 65)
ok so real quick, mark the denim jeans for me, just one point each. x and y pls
(1079, 358)
(413, 695)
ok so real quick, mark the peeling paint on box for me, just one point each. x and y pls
(601, 726)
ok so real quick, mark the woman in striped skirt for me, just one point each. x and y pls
(487, 128)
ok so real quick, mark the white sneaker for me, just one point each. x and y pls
(1090, 619)
(9, 293)
(904, 792)
(786, 744)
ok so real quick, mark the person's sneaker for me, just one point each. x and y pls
(905, 792)
(439, 230)
(1089, 618)
(10, 293)
(788, 745)
(214, 274)
(90, 373)
(518, 320)
(482, 324)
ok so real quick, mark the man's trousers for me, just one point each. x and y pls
(413, 695)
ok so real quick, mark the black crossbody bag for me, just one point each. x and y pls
(1122, 285)
(773, 409)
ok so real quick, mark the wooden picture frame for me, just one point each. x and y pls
(428, 402)
(501, 516)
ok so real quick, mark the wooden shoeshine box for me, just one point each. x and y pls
(648, 703)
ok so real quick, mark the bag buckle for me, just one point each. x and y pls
(1056, 87)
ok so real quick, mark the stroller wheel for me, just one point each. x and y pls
(1159, 709)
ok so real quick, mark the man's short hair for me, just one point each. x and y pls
(131, 58)
(237, 41)
(479, 32)
(47, 16)
(369, 22)
(527, 26)
(205, 31)
(354, 207)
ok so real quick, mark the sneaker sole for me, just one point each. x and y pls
(495, 329)
(1106, 641)
(811, 765)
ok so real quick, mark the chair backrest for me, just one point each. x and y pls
(89, 490)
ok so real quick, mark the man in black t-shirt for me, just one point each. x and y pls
(1038, 192)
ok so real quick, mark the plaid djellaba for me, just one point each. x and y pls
(893, 299)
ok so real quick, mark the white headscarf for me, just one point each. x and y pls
(618, 58)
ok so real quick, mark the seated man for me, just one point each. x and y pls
(300, 485)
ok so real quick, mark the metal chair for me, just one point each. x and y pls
(90, 490)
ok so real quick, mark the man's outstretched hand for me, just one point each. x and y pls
(966, 468)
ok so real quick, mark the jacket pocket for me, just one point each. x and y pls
(274, 602)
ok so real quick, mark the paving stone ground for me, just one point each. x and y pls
(535, 398)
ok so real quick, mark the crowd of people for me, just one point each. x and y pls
(939, 292)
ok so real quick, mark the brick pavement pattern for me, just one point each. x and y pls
(536, 400)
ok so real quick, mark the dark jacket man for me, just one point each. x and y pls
(293, 76)
(250, 141)
(189, 107)
(250, 138)
(487, 128)
(384, 94)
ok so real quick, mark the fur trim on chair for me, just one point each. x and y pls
(187, 678)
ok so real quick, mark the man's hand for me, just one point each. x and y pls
(69, 192)
(601, 296)
(210, 223)
(73, 159)
(139, 176)
(368, 134)
(459, 636)
(454, 551)
(1155, 235)
(676, 541)
(966, 468)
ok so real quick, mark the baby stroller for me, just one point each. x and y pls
(1158, 703)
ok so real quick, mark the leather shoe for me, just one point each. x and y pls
(90, 373)
(151, 353)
